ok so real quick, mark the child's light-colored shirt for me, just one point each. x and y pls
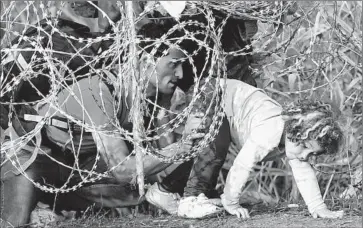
(253, 116)
(257, 127)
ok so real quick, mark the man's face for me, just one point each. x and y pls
(167, 72)
(302, 151)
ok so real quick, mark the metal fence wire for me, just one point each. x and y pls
(47, 46)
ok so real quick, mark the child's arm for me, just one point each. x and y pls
(237, 178)
(263, 138)
(309, 189)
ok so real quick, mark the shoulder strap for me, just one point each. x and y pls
(122, 113)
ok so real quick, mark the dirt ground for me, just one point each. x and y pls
(262, 220)
(276, 217)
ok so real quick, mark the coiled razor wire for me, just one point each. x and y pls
(120, 63)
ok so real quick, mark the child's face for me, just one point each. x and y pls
(302, 151)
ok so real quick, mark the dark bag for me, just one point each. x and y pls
(36, 84)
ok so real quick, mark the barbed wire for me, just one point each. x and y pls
(60, 74)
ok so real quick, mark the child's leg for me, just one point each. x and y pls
(200, 176)
(206, 167)
(177, 179)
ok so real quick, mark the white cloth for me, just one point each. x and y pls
(174, 8)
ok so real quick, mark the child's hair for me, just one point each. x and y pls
(313, 120)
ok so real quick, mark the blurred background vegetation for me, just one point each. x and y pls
(317, 55)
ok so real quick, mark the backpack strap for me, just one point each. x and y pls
(58, 122)
(122, 115)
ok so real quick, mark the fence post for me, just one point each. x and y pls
(136, 118)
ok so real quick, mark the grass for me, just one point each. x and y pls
(313, 57)
(264, 220)
(261, 216)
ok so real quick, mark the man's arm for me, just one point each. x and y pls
(308, 186)
(167, 138)
(115, 152)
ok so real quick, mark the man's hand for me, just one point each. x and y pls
(194, 122)
(326, 213)
(187, 145)
(234, 208)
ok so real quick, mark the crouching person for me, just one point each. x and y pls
(78, 156)
(263, 130)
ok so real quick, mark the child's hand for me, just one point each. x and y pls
(239, 211)
(326, 213)
(235, 209)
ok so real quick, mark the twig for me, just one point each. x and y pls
(328, 185)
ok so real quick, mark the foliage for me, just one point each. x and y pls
(316, 54)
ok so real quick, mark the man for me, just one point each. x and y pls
(78, 155)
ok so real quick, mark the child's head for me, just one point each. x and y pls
(311, 129)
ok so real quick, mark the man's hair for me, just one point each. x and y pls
(151, 33)
(313, 120)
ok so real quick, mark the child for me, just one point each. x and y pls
(259, 126)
